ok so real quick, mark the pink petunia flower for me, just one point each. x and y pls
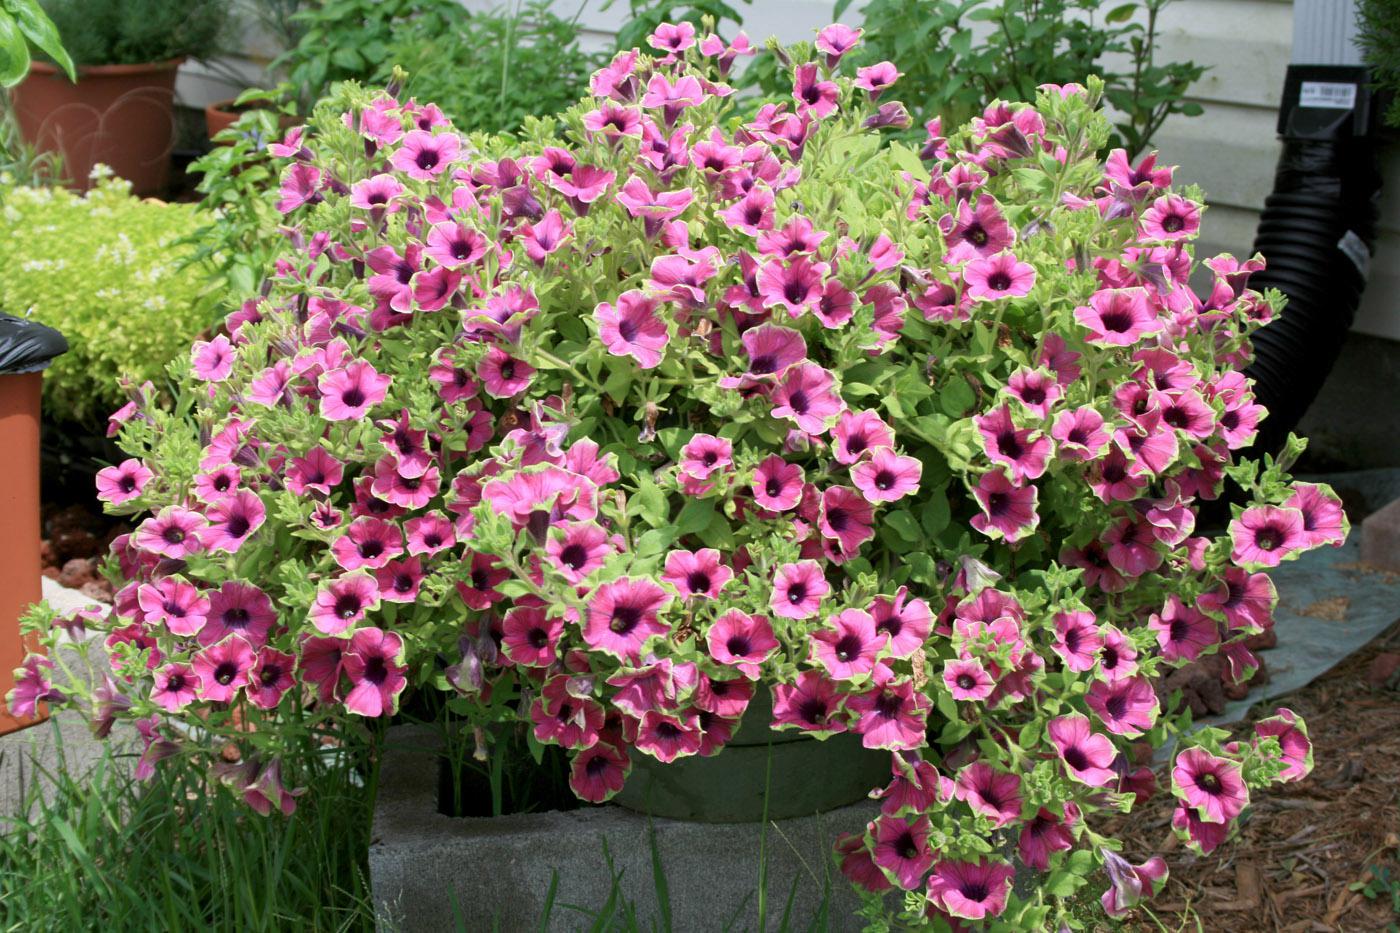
(174, 602)
(887, 476)
(1008, 511)
(891, 714)
(1126, 707)
(877, 78)
(238, 608)
(399, 580)
(814, 96)
(1087, 754)
(1130, 884)
(598, 773)
(1078, 640)
(123, 482)
(172, 532)
(633, 328)
(344, 602)
(232, 520)
(1324, 520)
(377, 193)
(270, 678)
(906, 621)
(368, 542)
(971, 890)
(530, 636)
(777, 484)
(807, 396)
(374, 665)
(317, 471)
(667, 736)
(32, 686)
(1212, 786)
(992, 793)
(1183, 633)
(222, 669)
(836, 40)
(798, 590)
(696, 574)
(1171, 217)
(1044, 835)
(1024, 451)
(348, 393)
(174, 687)
(301, 184)
(212, 360)
(967, 679)
(996, 277)
(1265, 536)
(741, 641)
(1292, 736)
(858, 434)
(424, 156)
(622, 614)
(502, 375)
(811, 703)
(846, 517)
(902, 849)
(576, 549)
(848, 645)
(795, 285)
(1117, 317)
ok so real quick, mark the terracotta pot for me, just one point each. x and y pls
(219, 116)
(119, 115)
(19, 548)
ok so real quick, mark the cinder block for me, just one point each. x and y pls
(1380, 539)
(433, 872)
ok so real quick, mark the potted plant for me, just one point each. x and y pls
(613, 434)
(119, 111)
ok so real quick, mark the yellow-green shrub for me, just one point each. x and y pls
(104, 269)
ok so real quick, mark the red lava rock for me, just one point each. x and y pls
(76, 572)
(46, 555)
(51, 572)
(99, 590)
(71, 543)
(1380, 538)
(1199, 683)
(1384, 670)
(1263, 641)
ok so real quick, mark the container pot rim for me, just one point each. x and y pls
(49, 69)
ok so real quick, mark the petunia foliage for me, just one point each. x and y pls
(607, 429)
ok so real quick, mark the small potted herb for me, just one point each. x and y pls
(119, 111)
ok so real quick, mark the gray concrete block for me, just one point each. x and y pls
(432, 872)
(1380, 539)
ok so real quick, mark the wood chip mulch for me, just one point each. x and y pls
(1301, 846)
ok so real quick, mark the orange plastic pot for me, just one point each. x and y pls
(19, 544)
(119, 115)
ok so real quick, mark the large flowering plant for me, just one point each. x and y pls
(608, 429)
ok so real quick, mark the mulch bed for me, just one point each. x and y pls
(1301, 846)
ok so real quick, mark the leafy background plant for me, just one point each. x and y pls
(106, 270)
(958, 54)
(1379, 21)
(129, 32)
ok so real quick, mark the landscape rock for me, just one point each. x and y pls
(1384, 670)
(1380, 539)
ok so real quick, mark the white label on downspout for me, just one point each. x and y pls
(1354, 248)
(1329, 95)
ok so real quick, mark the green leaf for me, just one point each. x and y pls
(14, 53)
(1121, 14)
(41, 31)
(956, 398)
(935, 515)
(904, 525)
(697, 515)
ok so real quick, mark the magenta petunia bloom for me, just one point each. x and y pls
(348, 393)
(232, 521)
(613, 121)
(397, 488)
(212, 360)
(1292, 736)
(1265, 536)
(400, 580)
(812, 704)
(1117, 317)
(906, 621)
(598, 773)
(798, 590)
(967, 679)
(836, 40)
(654, 208)
(172, 532)
(666, 736)
(177, 604)
(530, 636)
(1087, 754)
(858, 434)
(123, 482)
(1036, 389)
(1078, 640)
(633, 328)
(1008, 511)
(971, 890)
(902, 849)
(1212, 786)
(543, 493)
(622, 614)
(807, 395)
(270, 679)
(368, 542)
(999, 276)
(238, 608)
(753, 213)
(502, 375)
(796, 285)
(672, 37)
(1183, 633)
(741, 641)
(343, 602)
(814, 96)
(696, 574)
(576, 549)
(377, 193)
(1130, 884)
(1246, 600)
(222, 669)
(1171, 217)
(32, 686)
(174, 687)
(848, 645)
(1025, 451)
(429, 534)
(301, 184)
(777, 484)
(877, 78)
(318, 471)
(891, 714)
(703, 454)
(1200, 836)
(212, 485)
(992, 793)
(374, 664)
(454, 245)
(846, 517)
(1324, 521)
(1126, 707)
(975, 232)
(1044, 835)
(423, 156)
(887, 476)
(563, 719)
(543, 237)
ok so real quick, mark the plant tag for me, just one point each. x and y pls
(1328, 95)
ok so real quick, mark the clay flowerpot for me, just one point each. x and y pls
(119, 115)
(219, 116)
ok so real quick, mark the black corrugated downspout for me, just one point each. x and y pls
(1317, 232)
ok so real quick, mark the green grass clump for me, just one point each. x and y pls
(104, 851)
(105, 269)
